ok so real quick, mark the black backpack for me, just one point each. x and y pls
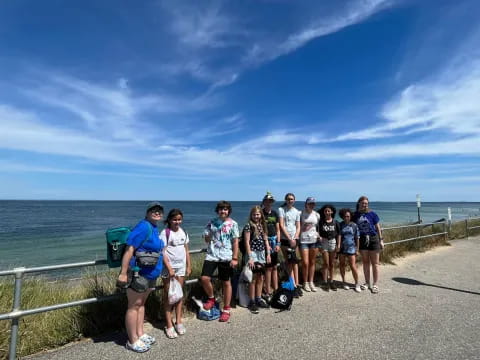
(282, 299)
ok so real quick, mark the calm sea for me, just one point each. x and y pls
(34, 233)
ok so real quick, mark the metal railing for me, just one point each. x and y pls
(17, 313)
(19, 273)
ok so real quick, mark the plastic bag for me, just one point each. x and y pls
(175, 292)
(246, 274)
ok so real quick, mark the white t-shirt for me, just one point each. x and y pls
(175, 248)
(309, 222)
(290, 216)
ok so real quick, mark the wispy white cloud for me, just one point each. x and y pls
(324, 24)
(240, 43)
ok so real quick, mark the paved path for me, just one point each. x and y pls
(428, 308)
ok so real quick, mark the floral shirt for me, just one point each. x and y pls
(221, 235)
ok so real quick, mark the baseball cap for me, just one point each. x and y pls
(310, 200)
(153, 204)
(268, 196)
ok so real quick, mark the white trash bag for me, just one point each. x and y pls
(246, 274)
(175, 292)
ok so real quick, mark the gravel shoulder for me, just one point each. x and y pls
(428, 308)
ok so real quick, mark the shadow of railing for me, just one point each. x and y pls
(408, 281)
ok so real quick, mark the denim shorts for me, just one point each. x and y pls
(328, 244)
(315, 245)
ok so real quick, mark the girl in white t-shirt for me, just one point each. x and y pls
(176, 260)
(309, 243)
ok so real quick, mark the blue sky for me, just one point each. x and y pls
(207, 100)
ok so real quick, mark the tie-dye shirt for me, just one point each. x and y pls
(221, 235)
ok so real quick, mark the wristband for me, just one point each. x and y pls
(234, 259)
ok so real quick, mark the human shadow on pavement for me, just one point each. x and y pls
(408, 281)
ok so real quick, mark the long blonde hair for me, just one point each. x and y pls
(252, 224)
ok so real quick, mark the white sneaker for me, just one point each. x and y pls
(306, 287)
(358, 288)
(365, 286)
(313, 287)
(346, 287)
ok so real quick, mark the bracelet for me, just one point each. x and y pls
(234, 259)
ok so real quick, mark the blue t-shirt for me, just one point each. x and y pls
(366, 222)
(153, 243)
(349, 232)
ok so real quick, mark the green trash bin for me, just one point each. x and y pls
(116, 244)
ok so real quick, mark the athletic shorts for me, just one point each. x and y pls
(315, 245)
(139, 283)
(273, 260)
(225, 271)
(286, 243)
(369, 242)
(328, 244)
(178, 271)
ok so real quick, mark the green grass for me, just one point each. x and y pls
(52, 329)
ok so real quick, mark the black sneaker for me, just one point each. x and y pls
(333, 286)
(262, 304)
(253, 307)
(300, 291)
(296, 295)
(268, 298)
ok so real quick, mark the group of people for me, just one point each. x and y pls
(267, 232)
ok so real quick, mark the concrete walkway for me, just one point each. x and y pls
(428, 308)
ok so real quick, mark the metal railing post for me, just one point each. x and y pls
(17, 297)
(466, 228)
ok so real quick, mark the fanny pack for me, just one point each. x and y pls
(147, 258)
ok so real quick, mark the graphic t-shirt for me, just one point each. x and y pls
(349, 232)
(257, 243)
(221, 235)
(366, 222)
(137, 237)
(290, 216)
(272, 221)
(175, 250)
(329, 230)
(309, 222)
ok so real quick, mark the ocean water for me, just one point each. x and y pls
(35, 233)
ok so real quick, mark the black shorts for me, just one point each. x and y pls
(273, 260)
(225, 271)
(258, 268)
(369, 242)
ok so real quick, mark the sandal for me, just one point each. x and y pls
(224, 316)
(374, 289)
(147, 339)
(180, 328)
(138, 346)
(171, 333)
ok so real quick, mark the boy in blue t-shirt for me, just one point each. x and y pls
(221, 234)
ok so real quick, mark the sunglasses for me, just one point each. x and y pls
(156, 210)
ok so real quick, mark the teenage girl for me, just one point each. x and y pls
(329, 230)
(309, 243)
(177, 264)
(371, 241)
(256, 245)
(289, 233)
(273, 229)
(348, 247)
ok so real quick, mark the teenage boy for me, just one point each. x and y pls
(221, 235)
(273, 230)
